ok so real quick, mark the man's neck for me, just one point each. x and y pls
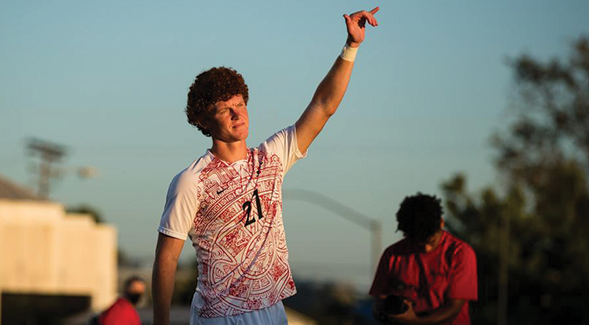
(229, 151)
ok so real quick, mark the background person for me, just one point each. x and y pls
(123, 312)
(432, 270)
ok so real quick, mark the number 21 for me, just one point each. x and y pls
(247, 207)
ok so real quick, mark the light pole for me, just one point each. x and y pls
(50, 154)
(344, 211)
(503, 270)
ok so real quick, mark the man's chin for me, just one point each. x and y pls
(239, 138)
(243, 135)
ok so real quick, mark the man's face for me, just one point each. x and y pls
(430, 243)
(134, 292)
(229, 121)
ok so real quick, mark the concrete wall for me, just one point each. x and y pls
(43, 250)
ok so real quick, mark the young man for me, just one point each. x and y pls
(229, 201)
(432, 271)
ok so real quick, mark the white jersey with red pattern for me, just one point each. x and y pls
(233, 214)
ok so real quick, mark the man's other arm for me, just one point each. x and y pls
(332, 88)
(167, 252)
(441, 315)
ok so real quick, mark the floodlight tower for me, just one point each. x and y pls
(49, 154)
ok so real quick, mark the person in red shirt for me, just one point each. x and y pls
(433, 272)
(123, 312)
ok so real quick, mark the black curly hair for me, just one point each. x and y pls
(209, 87)
(419, 216)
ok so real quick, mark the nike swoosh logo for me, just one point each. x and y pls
(221, 191)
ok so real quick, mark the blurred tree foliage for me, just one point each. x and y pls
(87, 209)
(543, 161)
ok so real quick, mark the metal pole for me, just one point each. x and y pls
(503, 271)
(49, 154)
(346, 212)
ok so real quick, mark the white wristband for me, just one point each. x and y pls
(349, 53)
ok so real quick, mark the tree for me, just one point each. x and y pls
(543, 159)
(87, 209)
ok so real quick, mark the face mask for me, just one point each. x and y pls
(134, 297)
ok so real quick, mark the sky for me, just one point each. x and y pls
(108, 80)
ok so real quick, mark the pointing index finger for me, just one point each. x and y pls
(375, 10)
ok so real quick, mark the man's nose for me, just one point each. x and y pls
(234, 114)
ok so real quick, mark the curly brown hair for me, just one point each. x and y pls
(209, 87)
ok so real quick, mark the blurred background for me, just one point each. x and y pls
(485, 104)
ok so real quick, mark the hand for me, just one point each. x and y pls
(408, 317)
(356, 23)
(378, 308)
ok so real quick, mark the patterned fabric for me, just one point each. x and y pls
(233, 214)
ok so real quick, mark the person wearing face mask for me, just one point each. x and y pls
(123, 312)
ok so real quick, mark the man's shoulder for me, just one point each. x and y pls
(281, 135)
(122, 303)
(192, 172)
(457, 245)
(120, 308)
(401, 247)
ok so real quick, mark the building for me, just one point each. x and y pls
(53, 264)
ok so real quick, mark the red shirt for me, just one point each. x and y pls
(449, 271)
(121, 312)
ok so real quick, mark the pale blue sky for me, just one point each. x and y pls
(109, 79)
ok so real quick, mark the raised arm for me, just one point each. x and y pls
(332, 88)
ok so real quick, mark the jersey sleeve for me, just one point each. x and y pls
(463, 283)
(381, 279)
(181, 206)
(284, 144)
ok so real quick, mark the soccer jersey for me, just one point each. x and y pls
(233, 214)
(449, 271)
